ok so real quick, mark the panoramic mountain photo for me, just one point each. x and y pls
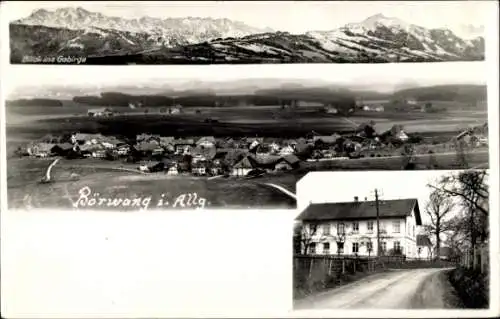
(231, 138)
(248, 32)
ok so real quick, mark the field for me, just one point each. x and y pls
(26, 191)
(247, 121)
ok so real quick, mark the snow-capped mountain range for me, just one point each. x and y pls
(180, 30)
(76, 31)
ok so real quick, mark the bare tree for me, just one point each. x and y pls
(472, 190)
(304, 234)
(368, 243)
(439, 205)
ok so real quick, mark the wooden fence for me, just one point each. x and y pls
(476, 259)
(317, 272)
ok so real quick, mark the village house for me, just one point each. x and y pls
(216, 167)
(287, 163)
(41, 149)
(123, 149)
(62, 149)
(206, 142)
(379, 108)
(411, 101)
(351, 227)
(176, 109)
(199, 168)
(151, 147)
(287, 150)
(166, 140)
(148, 138)
(254, 142)
(171, 169)
(152, 166)
(274, 148)
(243, 167)
(183, 146)
(398, 133)
(322, 142)
(331, 110)
(85, 138)
(105, 111)
(424, 247)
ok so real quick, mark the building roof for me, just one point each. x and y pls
(44, 147)
(65, 146)
(361, 210)
(265, 159)
(290, 159)
(184, 142)
(101, 109)
(90, 147)
(245, 162)
(87, 136)
(208, 153)
(204, 139)
(327, 138)
(423, 240)
(146, 146)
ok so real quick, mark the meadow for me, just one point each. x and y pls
(268, 121)
(69, 177)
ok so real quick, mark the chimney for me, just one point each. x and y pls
(356, 199)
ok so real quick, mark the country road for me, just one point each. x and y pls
(396, 289)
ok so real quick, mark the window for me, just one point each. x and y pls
(369, 246)
(396, 226)
(312, 248)
(413, 231)
(355, 248)
(419, 250)
(383, 246)
(340, 247)
(355, 227)
(397, 246)
(370, 226)
(326, 230)
(326, 248)
(341, 228)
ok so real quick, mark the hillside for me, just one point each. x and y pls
(112, 40)
(463, 93)
(34, 102)
(266, 97)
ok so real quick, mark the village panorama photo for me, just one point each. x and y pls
(392, 240)
(231, 137)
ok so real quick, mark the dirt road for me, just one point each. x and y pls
(397, 289)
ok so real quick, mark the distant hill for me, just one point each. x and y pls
(264, 97)
(462, 93)
(34, 102)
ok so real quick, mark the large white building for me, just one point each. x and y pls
(351, 227)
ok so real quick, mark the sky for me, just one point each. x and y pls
(343, 186)
(291, 16)
(379, 77)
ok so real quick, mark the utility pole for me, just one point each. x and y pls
(378, 222)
